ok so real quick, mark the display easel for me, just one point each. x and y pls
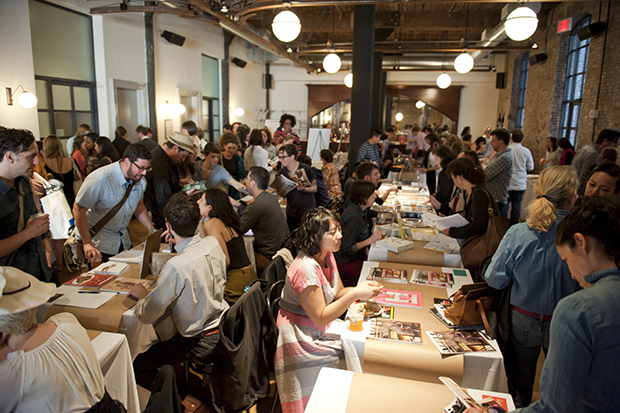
(318, 139)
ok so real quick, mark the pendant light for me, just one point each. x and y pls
(464, 63)
(348, 80)
(286, 26)
(332, 63)
(521, 23)
(444, 81)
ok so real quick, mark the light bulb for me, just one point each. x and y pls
(348, 80)
(27, 100)
(521, 23)
(286, 26)
(464, 63)
(239, 112)
(331, 63)
(181, 109)
(419, 104)
(327, 118)
(399, 116)
(443, 81)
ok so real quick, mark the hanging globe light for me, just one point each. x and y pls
(239, 112)
(286, 26)
(348, 80)
(521, 23)
(399, 116)
(331, 63)
(464, 63)
(27, 100)
(419, 104)
(444, 80)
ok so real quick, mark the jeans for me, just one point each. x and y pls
(529, 335)
(514, 199)
(503, 209)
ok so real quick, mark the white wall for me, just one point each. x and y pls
(16, 64)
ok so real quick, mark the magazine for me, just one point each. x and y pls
(411, 299)
(464, 399)
(387, 275)
(122, 285)
(440, 279)
(91, 280)
(395, 244)
(282, 184)
(392, 330)
(301, 177)
(111, 268)
(453, 342)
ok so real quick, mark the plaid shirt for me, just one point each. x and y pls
(332, 180)
(499, 173)
(368, 150)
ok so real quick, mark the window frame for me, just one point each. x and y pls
(522, 90)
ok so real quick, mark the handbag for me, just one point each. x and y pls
(55, 204)
(73, 248)
(77, 183)
(470, 305)
(475, 249)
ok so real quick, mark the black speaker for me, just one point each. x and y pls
(239, 62)
(500, 80)
(267, 81)
(590, 30)
(538, 58)
(173, 38)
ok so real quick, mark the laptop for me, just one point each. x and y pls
(151, 245)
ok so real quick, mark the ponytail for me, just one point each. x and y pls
(553, 189)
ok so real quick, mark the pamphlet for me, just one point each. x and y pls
(331, 337)
(388, 275)
(122, 285)
(411, 299)
(111, 268)
(301, 177)
(133, 256)
(439, 279)
(395, 244)
(441, 223)
(90, 299)
(453, 342)
(392, 330)
(90, 280)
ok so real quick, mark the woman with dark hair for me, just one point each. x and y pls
(285, 131)
(355, 234)
(231, 161)
(210, 171)
(388, 159)
(120, 141)
(89, 145)
(553, 154)
(441, 198)
(255, 154)
(79, 154)
(221, 222)
(466, 130)
(481, 145)
(568, 151)
(313, 297)
(470, 179)
(104, 148)
(267, 143)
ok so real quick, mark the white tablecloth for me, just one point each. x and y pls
(116, 364)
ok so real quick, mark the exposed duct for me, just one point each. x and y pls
(390, 62)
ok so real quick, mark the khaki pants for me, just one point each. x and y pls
(236, 281)
(261, 260)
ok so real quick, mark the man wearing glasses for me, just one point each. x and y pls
(301, 198)
(102, 190)
(164, 181)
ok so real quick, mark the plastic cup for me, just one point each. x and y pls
(356, 322)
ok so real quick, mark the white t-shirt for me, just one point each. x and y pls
(61, 375)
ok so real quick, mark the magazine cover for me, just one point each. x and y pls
(393, 330)
(123, 285)
(389, 275)
(282, 184)
(441, 279)
(399, 298)
(301, 178)
(453, 342)
(91, 280)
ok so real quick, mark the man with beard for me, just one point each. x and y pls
(22, 234)
(102, 190)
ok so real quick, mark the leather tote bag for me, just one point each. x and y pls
(470, 305)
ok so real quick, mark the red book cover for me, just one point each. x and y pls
(91, 280)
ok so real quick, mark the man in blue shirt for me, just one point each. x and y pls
(370, 149)
(101, 191)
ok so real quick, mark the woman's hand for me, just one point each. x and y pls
(367, 290)
(376, 236)
(542, 162)
(434, 202)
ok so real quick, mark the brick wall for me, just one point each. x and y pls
(545, 88)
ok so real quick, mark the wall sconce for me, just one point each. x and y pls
(239, 112)
(172, 109)
(26, 99)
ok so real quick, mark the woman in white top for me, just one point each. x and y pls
(268, 143)
(255, 155)
(553, 153)
(49, 367)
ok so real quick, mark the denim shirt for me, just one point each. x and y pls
(530, 258)
(583, 363)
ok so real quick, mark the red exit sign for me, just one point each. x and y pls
(565, 25)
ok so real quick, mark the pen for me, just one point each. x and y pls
(88, 292)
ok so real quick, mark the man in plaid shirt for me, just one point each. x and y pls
(330, 174)
(370, 149)
(499, 170)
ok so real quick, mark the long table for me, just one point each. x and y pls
(421, 362)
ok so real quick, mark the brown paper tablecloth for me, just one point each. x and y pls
(413, 361)
(418, 255)
(92, 334)
(371, 393)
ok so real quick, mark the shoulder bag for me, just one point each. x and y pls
(470, 305)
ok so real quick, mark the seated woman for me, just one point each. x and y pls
(581, 369)
(470, 179)
(49, 367)
(355, 234)
(604, 180)
(255, 155)
(527, 255)
(209, 170)
(313, 297)
(222, 222)
(442, 197)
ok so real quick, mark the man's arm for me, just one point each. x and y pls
(33, 228)
(529, 164)
(495, 168)
(91, 253)
(310, 189)
(250, 217)
(143, 216)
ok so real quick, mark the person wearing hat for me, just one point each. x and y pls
(163, 179)
(48, 367)
(101, 192)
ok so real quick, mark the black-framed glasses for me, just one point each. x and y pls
(142, 168)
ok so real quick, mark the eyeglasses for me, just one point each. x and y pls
(142, 168)
(284, 157)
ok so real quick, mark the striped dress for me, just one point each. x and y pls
(298, 360)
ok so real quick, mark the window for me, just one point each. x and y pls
(573, 88)
(211, 98)
(525, 67)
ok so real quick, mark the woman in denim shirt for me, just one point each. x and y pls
(582, 366)
(527, 255)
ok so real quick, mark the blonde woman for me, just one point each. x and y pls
(528, 256)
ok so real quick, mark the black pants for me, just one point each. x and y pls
(173, 351)
(293, 223)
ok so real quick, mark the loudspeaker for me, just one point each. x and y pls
(239, 62)
(267, 81)
(590, 30)
(538, 58)
(173, 38)
(500, 80)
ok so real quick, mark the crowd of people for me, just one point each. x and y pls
(561, 264)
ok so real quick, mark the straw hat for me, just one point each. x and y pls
(20, 291)
(182, 141)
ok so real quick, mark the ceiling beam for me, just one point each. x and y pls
(160, 8)
(416, 49)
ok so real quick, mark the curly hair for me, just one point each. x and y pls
(226, 138)
(222, 209)
(286, 117)
(314, 224)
